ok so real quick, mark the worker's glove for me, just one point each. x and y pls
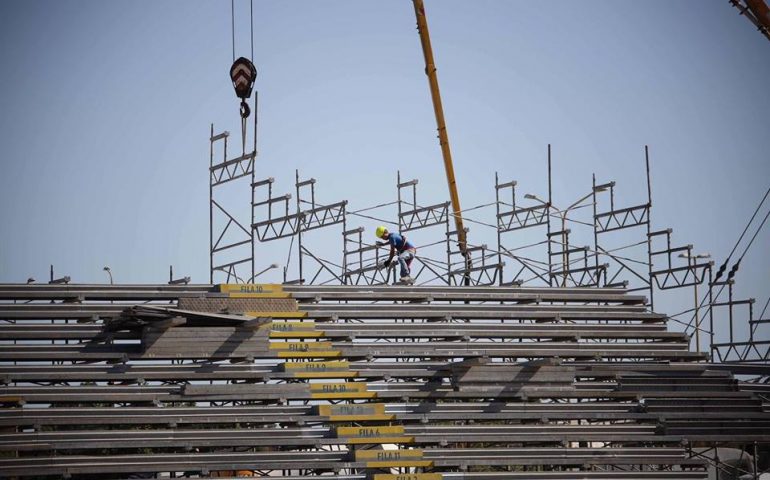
(386, 263)
(381, 244)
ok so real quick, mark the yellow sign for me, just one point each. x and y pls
(352, 413)
(338, 387)
(253, 290)
(289, 329)
(316, 366)
(288, 326)
(369, 431)
(359, 435)
(392, 458)
(388, 455)
(305, 350)
(301, 346)
(330, 369)
(250, 288)
(340, 390)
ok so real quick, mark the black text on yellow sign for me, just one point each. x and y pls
(355, 413)
(253, 290)
(329, 369)
(359, 435)
(305, 350)
(340, 390)
(292, 329)
(393, 458)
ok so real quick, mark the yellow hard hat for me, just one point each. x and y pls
(381, 230)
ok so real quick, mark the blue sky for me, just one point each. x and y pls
(106, 108)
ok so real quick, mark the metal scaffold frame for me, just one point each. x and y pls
(233, 238)
(511, 218)
(307, 215)
(652, 264)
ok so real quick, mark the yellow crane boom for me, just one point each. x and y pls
(757, 12)
(430, 71)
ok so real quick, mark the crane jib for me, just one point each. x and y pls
(430, 71)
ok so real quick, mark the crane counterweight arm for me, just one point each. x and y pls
(430, 71)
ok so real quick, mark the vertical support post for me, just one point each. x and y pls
(564, 249)
(497, 227)
(448, 252)
(711, 317)
(224, 158)
(398, 190)
(730, 307)
(548, 215)
(299, 226)
(751, 317)
(344, 248)
(414, 197)
(596, 231)
(253, 170)
(649, 227)
(697, 317)
(612, 197)
(211, 208)
(361, 253)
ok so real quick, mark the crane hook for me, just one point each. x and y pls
(243, 74)
(245, 110)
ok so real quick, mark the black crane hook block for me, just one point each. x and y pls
(243, 74)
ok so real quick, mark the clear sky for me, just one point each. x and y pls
(106, 109)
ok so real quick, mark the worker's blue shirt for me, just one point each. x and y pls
(399, 242)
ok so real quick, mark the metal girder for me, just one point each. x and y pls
(521, 218)
(622, 218)
(232, 169)
(383, 330)
(322, 216)
(321, 436)
(754, 351)
(226, 350)
(590, 411)
(316, 459)
(423, 217)
(279, 227)
(678, 277)
(470, 293)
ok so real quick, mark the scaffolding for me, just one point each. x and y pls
(231, 239)
(652, 261)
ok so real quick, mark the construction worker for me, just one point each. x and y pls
(398, 244)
